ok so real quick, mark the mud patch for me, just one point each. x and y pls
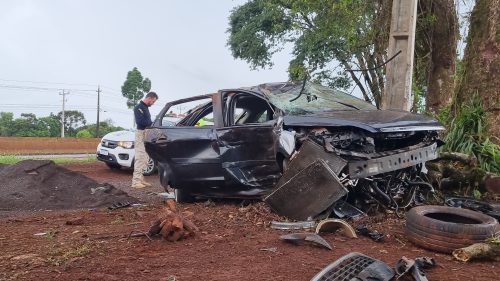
(33, 185)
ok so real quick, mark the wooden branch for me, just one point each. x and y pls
(477, 251)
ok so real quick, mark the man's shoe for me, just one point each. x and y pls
(138, 185)
(146, 183)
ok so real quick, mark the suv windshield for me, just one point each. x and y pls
(314, 99)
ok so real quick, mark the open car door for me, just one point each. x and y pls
(187, 152)
(248, 144)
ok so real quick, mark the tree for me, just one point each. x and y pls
(72, 120)
(28, 126)
(435, 54)
(105, 127)
(481, 66)
(85, 134)
(52, 123)
(6, 123)
(135, 87)
(329, 37)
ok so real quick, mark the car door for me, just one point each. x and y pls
(248, 148)
(188, 155)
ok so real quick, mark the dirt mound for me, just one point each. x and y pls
(32, 185)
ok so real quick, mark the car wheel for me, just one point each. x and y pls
(150, 168)
(444, 229)
(183, 196)
(113, 166)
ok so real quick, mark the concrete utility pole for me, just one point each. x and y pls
(398, 93)
(98, 110)
(63, 94)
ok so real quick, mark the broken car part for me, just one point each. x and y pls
(373, 234)
(345, 210)
(333, 225)
(119, 205)
(444, 229)
(472, 204)
(292, 225)
(355, 266)
(298, 238)
(308, 193)
(414, 267)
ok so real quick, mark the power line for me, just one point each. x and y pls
(44, 82)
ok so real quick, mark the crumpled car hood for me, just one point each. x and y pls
(371, 120)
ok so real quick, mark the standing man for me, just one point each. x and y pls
(142, 120)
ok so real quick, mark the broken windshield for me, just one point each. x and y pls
(314, 99)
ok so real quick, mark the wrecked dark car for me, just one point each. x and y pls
(241, 143)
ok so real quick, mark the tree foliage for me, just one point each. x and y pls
(29, 125)
(135, 86)
(72, 120)
(329, 38)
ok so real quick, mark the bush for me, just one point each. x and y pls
(83, 134)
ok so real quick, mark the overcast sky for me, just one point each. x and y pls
(179, 45)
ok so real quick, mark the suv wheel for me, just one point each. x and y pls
(150, 168)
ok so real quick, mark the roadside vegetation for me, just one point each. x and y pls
(13, 159)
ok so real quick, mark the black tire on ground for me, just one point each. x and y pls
(444, 229)
(183, 196)
(113, 166)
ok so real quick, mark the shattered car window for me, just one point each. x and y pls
(314, 99)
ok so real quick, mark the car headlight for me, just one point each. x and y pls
(126, 144)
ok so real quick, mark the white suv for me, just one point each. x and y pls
(116, 149)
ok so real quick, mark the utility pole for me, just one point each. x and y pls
(98, 110)
(63, 94)
(398, 93)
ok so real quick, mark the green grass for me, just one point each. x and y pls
(12, 159)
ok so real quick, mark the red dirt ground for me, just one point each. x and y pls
(234, 243)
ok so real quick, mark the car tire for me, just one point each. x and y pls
(183, 196)
(113, 166)
(445, 229)
(151, 168)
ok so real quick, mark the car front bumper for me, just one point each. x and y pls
(118, 155)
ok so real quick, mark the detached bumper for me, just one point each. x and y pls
(375, 166)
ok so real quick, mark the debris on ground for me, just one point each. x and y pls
(32, 185)
(444, 229)
(119, 205)
(488, 250)
(355, 266)
(300, 238)
(406, 266)
(473, 204)
(292, 225)
(373, 234)
(171, 224)
(336, 225)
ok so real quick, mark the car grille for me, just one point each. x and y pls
(109, 143)
(351, 265)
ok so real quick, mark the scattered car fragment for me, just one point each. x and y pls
(298, 238)
(414, 267)
(355, 266)
(473, 204)
(244, 153)
(333, 225)
(444, 229)
(292, 225)
(373, 234)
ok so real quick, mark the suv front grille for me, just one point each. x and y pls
(109, 143)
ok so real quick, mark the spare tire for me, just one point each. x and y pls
(444, 229)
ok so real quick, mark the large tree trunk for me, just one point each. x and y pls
(481, 68)
(443, 47)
